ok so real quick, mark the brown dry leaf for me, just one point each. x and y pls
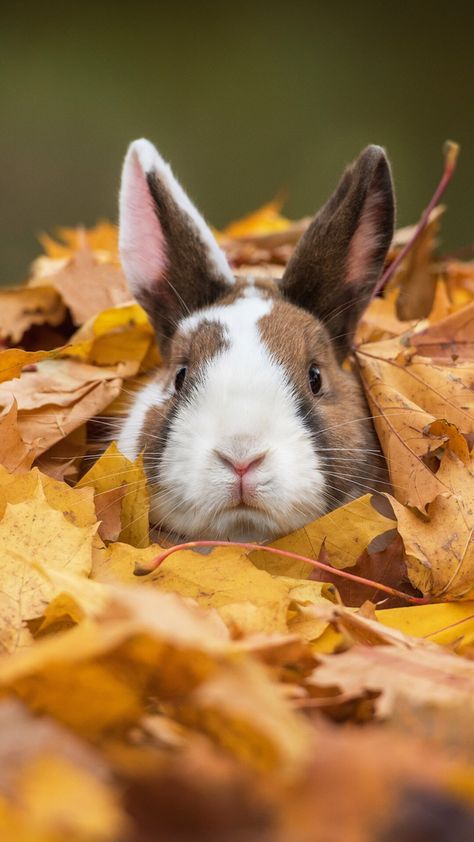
(407, 393)
(417, 274)
(439, 547)
(449, 340)
(121, 497)
(86, 285)
(22, 307)
(33, 536)
(423, 676)
(62, 460)
(59, 396)
(15, 454)
(383, 561)
(451, 436)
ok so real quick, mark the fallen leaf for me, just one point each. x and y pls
(15, 454)
(422, 677)
(265, 220)
(249, 600)
(86, 285)
(22, 307)
(121, 497)
(346, 533)
(119, 334)
(60, 396)
(14, 360)
(448, 624)
(406, 397)
(451, 339)
(34, 534)
(416, 276)
(439, 546)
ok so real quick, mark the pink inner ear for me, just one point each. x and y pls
(142, 244)
(365, 241)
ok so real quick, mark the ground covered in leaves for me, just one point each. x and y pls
(233, 694)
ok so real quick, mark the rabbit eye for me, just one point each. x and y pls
(314, 377)
(180, 378)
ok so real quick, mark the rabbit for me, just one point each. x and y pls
(252, 427)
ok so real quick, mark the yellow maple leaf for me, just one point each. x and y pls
(34, 535)
(346, 532)
(265, 220)
(249, 600)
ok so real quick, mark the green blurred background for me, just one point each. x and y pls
(243, 98)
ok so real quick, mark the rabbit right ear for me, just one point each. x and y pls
(170, 256)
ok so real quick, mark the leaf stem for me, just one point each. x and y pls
(451, 151)
(143, 570)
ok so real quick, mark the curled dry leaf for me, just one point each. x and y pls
(23, 307)
(422, 676)
(86, 285)
(15, 454)
(417, 275)
(58, 397)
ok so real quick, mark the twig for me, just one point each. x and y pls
(451, 151)
(143, 570)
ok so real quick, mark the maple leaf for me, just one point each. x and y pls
(249, 600)
(34, 535)
(86, 285)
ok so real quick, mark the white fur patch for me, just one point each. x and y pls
(128, 441)
(243, 406)
(142, 244)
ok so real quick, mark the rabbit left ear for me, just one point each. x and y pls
(170, 256)
(338, 261)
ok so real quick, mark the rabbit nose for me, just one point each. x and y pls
(240, 466)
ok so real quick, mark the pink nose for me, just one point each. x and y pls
(241, 466)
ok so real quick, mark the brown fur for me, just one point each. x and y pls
(318, 276)
(191, 280)
(339, 416)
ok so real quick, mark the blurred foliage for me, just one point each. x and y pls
(244, 99)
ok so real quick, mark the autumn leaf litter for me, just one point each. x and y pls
(219, 678)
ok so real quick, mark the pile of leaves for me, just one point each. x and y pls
(221, 696)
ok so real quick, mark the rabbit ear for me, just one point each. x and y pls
(170, 257)
(337, 262)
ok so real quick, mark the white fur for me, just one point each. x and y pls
(142, 248)
(243, 406)
(128, 441)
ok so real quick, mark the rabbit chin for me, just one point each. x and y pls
(242, 523)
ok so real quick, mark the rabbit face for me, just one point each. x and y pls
(252, 427)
